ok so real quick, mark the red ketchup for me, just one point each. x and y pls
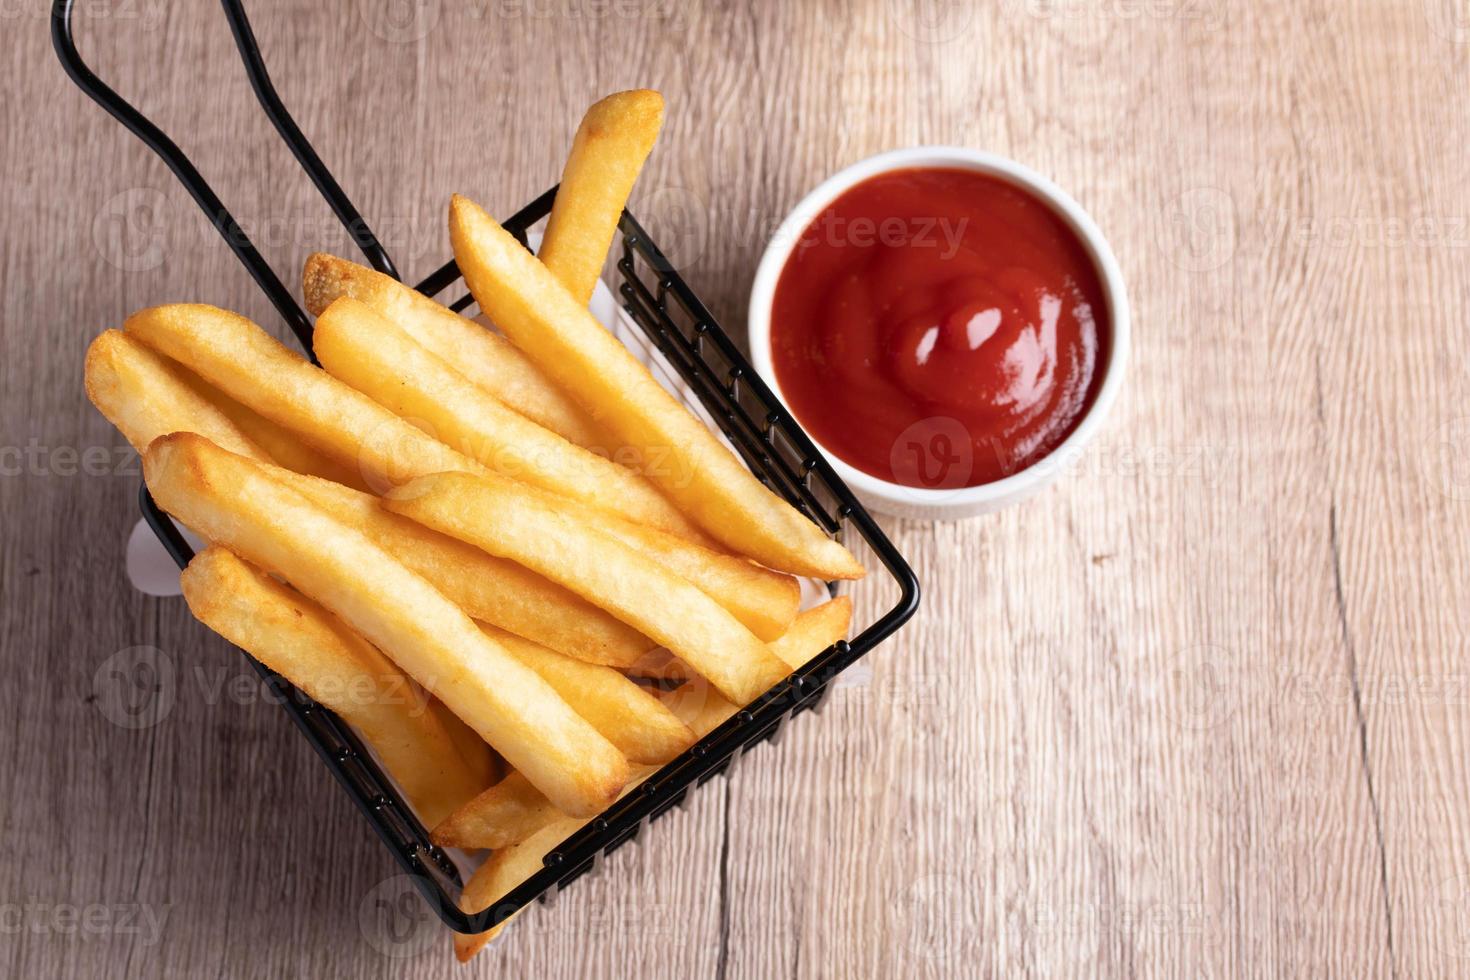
(939, 328)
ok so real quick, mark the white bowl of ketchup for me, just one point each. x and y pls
(948, 326)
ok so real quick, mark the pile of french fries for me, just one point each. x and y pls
(481, 549)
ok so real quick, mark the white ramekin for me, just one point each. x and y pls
(894, 498)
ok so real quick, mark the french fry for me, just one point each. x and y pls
(613, 141)
(629, 717)
(512, 810)
(483, 356)
(368, 352)
(661, 665)
(234, 502)
(145, 396)
(525, 827)
(561, 337)
(511, 521)
(765, 601)
(811, 633)
(501, 872)
(699, 704)
(469, 744)
(318, 653)
(814, 631)
(704, 709)
(282, 446)
(500, 592)
(253, 368)
(508, 812)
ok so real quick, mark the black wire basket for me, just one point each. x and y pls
(725, 390)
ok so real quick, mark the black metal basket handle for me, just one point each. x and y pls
(188, 175)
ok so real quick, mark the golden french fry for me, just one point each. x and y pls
(500, 592)
(703, 477)
(661, 665)
(282, 446)
(704, 709)
(765, 601)
(318, 653)
(813, 631)
(615, 137)
(234, 502)
(145, 397)
(253, 368)
(809, 634)
(501, 872)
(512, 810)
(514, 522)
(483, 356)
(627, 715)
(488, 767)
(508, 812)
(519, 822)
(368, 352)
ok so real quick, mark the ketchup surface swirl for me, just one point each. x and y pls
(939, 328)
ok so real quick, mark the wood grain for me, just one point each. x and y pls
(1201, 710)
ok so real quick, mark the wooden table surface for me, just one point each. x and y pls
(1200, 710)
